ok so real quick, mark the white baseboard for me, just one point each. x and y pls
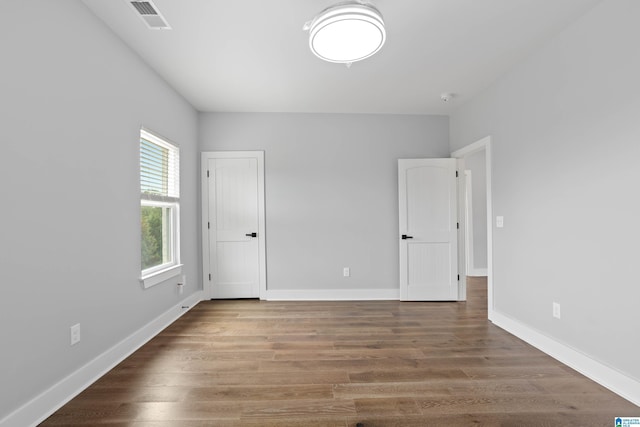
(477, 272)
(332, 294)
(46, 403)
(617, 382)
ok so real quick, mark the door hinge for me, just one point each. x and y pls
(458, 225)
(208, 225)
(456, 174)
(210, 276)
(207, 174)
(458, 277)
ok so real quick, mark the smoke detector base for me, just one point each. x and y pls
(446, 97)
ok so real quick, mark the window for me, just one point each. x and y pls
(159, 209)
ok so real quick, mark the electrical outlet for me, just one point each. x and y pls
(182, 284)
(75, 334)
(346, 272)
(556, 310)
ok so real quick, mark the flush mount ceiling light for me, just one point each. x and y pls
(346, 32)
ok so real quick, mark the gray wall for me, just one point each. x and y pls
(566, 131)
(73, 100)
(475, 163)
(331, 190)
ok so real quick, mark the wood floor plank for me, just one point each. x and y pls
(486, 420)
(84, 412)
(395, 406)
(490, 404)
(311, 409)
(289, 422)
(510, 372)
(391, 389)
(159, 365)
(214, 379)
(572, 385)
(259, 392)
(210, 355)
(340, 363)
(348, 354)
(437, 388)
(127, 393)
(399, 375)
(179, 411)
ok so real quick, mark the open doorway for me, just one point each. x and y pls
(476, 213)
(475, 209)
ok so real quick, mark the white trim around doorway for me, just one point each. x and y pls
(484, 144)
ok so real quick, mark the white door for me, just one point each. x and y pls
(233, 221)
(428, 230)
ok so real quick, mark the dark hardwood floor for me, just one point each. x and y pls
(379, 363)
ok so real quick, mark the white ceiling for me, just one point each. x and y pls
(252, 55)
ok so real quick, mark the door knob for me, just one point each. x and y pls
(254, 234)
(405, 237)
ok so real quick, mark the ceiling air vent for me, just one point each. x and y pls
(150, 15)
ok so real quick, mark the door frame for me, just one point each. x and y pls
(462, 229)
(206, 256)
(482, 144)
(468, 220)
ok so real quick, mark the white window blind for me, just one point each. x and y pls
(159, 169)
(159, 209)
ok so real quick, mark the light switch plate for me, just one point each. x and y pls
(556, 310)
(75, 334)
(499, 221)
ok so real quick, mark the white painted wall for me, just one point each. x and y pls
(331, 190)
(565, 130)
(475, 162)
(72, 100)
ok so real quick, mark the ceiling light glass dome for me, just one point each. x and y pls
(346, 32)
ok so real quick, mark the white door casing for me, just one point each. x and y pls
(233, 224)
(428, 230)
(462, 230)
(485, 145)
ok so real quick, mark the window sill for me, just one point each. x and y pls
(160, 276)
